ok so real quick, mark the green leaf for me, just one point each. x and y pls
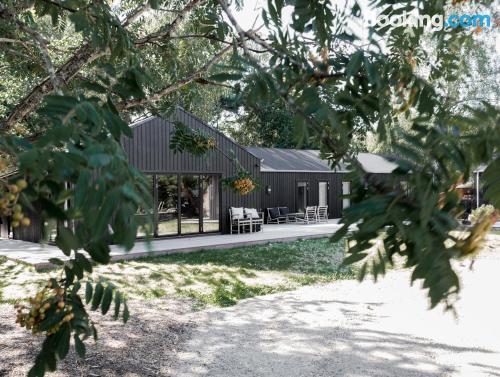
(83, 262)
(96, 299)
(38, 369)
(221, 77)
(126, 314)
(107, 298)
(66, 240)
(355, 63)
(118, 300)
(63, 341)
(88, 292)
(99, 160)
(99, 252)
(79, 346)
(353, 258)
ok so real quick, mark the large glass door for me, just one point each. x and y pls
(182, 204)
(190, 204)
(167, 205)
(210, 203)
(145, 216)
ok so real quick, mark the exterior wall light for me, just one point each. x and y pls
(268, 190)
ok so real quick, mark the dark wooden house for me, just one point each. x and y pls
(189, 197)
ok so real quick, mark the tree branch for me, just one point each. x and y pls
(57, 4)
(39, 39)
(135, 14)
(177, 85)
(84, 55)
(213, 38)
(29, 103)
(173, 25)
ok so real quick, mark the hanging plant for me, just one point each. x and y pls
(242, 182)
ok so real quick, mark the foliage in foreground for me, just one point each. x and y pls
(62, 130)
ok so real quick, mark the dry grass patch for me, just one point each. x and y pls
(215, 277)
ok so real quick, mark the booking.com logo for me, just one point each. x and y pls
(436, 22)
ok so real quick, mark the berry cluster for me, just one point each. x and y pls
(204, 143)
(9, 196)
(48, 302)
(243, 185)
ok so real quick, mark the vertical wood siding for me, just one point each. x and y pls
(149, 151)
(284, 190)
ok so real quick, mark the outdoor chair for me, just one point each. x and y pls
(274, 216)
(257, 219)
(310, 216)
(237, 219)
(322, 214)
(284, 211)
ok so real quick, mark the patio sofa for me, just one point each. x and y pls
(245, 219)
(277, 215)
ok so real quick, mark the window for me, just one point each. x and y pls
(167, 205)
(144, 216)
(210, 192)
(190, 204)
(183, 204)
(346, 190)
(322, 193)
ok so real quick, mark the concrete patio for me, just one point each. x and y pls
(38, 255)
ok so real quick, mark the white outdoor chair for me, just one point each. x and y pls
(257, 218)
(237, 219)
(310, 216)
(322, 214)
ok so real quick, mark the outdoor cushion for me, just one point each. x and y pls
(237, 212)
(251, 213)
(284, 211)
(274, 213)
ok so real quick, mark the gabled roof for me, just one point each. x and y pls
(308, 160)
(183, 116)
(376, 164)
(297, 160)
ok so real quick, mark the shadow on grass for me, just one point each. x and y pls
(318, 256)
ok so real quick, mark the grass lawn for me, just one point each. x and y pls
(211, 277)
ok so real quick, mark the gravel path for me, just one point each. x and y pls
(351, 329)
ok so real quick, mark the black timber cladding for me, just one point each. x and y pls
(283, 187)
(148, 150)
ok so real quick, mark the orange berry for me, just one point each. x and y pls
(21, 184)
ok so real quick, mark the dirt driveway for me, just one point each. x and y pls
(351, 329)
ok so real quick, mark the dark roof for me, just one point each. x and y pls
(277, 159)
(375, 163)
(308, 160)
